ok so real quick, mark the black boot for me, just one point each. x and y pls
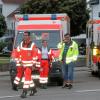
(70, 86)
(44, 86)
(24, 93)
(65, 85)
(14, 87)
(41, 86)
(33, 91)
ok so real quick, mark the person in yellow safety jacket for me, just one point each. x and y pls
(68, 55)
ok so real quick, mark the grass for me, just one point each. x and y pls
(4, 60)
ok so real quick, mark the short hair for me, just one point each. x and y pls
(27, 33)
(44, 41)
(67, 34)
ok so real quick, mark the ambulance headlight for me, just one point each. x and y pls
(95, 51)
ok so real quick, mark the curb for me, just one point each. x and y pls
(4, 67)
(6, 73)
(82, 69)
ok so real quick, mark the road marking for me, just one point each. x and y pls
(82, 91)
(2, 97)
(79, 91)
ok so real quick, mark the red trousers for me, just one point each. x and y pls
(44, 70)
(20, 71)
(25, 72)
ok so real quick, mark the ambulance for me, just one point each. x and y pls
(50, 27)
(93, 46)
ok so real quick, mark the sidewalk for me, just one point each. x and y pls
(6, 73)
(83, 68)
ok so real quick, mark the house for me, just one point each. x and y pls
(7, 7)
(95, 9)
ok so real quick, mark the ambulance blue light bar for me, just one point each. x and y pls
(53, 17)
(25, 17)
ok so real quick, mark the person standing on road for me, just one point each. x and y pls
(26, 59)
(46, 58)
(68, 56)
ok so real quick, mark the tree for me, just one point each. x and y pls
(76, 10)
(3, 26)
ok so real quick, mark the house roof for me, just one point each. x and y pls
(14, 1)
(13, 13)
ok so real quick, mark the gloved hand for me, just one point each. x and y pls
(50, 64)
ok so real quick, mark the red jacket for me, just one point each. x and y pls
(27, 56)
(16, 56)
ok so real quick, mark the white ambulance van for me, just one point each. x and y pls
(50, 27)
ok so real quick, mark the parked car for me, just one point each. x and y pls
(5, 50)
(8, 45)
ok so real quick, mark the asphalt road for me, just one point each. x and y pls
(86, 87)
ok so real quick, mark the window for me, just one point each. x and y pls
(0, 9)
(93, 2)
(52, 36)
(99, 14)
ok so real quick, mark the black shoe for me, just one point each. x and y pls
(15, 88)
(24, 93)
(43, 86)
(70, 86)
(65, 85)
(33, 91)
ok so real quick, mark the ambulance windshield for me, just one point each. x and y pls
(52, 36)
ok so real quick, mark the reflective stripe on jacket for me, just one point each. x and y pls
(27, 55)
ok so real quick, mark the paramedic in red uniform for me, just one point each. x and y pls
(46, 58)
(15, 56)
(26, 59)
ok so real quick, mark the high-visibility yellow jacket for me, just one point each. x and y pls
(71, 54)
(59, 45)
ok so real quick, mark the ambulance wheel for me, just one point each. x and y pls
(12, 80)
(12, 76)
(94, 73)
(98, 69)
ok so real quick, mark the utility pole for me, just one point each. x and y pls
(92, 42)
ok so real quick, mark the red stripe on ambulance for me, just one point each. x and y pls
(40, 27)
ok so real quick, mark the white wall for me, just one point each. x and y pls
(6, 10)
(10, 23)
(95, 11)
(0, 2)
